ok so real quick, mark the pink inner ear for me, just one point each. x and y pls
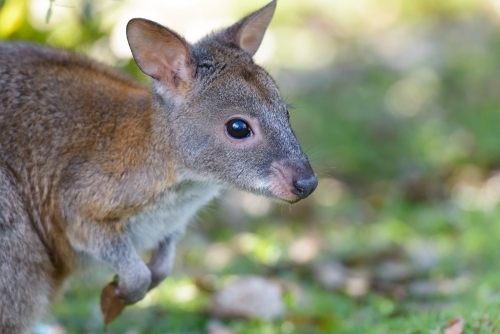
(247, 41)
(250, 40)
(158, 52)
(252, 32)
(171, 58)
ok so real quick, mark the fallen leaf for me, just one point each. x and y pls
(455, 326)
(111, 305)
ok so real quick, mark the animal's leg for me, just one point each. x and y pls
(25, 288)
(103, 242)
(162, 259)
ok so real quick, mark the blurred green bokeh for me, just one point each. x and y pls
(396, 102)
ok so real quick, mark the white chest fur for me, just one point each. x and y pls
(169, 213)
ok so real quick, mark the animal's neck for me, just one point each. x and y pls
(165, 112)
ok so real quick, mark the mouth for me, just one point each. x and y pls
(293, 201)
(280, 199)
(276, 192)
(271, 194)
(280, 193)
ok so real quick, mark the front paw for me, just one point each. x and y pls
(162, 260)
(133, 285)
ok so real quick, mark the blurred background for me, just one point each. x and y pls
(397, 104)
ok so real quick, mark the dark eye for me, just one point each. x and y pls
(238, 129)
(287, 114)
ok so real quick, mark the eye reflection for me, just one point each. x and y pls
(238, 129)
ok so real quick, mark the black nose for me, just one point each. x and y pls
(304, 186)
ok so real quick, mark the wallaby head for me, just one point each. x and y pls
(222, 113)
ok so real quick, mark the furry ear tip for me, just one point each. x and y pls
(270, 7)
(266, 12)
(133, 24)
(272, 4)
(134, 21)
(139, 21)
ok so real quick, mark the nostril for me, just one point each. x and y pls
(297, 188)
(304, 187)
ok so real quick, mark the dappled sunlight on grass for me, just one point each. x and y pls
(176, 292)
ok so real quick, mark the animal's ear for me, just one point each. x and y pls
(160, 52)
(249, 31)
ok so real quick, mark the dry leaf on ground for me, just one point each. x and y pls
(111, 305)
(455, 326)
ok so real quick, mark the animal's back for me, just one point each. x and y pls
(53, 102)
